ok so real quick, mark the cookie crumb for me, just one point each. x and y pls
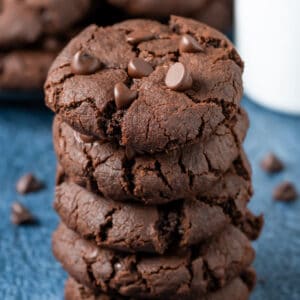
(20, 215)
(285, 192)
(272, 164)
(28, 184)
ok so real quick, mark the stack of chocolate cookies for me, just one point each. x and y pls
(153, 183)
(32, 34)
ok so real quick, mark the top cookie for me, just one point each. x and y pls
(24, 22)
(148, 86)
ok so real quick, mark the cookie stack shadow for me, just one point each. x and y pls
(153, 183)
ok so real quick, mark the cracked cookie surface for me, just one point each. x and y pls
(159, 118)
(131, 227)
(181, 173)
(237, 289)
(24, 22)
(195, 271)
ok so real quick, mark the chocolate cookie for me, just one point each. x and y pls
(216, 13)
(161, 178)
(150, 90)
(24, 69)
(237, 289)
(24, 22)
(196, 271)
(133, 227)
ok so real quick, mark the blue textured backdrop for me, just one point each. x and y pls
(27, 268)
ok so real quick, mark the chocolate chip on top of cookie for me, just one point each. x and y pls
(84, 63)
(189, 44)
(178, 78)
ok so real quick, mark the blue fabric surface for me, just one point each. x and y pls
(27, 267)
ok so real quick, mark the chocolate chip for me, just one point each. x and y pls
(123, 95)
(20, 215)
(85, 64)
(28, 184)
(138, 68)
(178, 77)
(139, 36)
(272, 164)
(285, 191)
(188, 44)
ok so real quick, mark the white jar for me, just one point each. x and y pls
(268, 38)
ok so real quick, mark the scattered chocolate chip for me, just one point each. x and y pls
(272, 164)
(85, 64)
(20, 215)
(139, 36)
(189, 44)
(178, 77)
(138, 68)
(123, 95)
(285, 192)
(28, 184)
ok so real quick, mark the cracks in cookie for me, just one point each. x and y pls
(189, 173)
(228, 207)
(142, 280)
(251, 225)
(56, 88)
(106, 117)
(210, 168)
(104, 228)
(168, 226)
(231, 55)
(89, 271)
(180, 162)
(211, 281)
(161, 175)
(228, 109)
(240, 169)
(128, 175)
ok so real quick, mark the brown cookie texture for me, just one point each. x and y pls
(24, 69)
(161, 178)
(196, 271)
(237, 289)
(159, 118)
(132, 227)
(24, 22)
